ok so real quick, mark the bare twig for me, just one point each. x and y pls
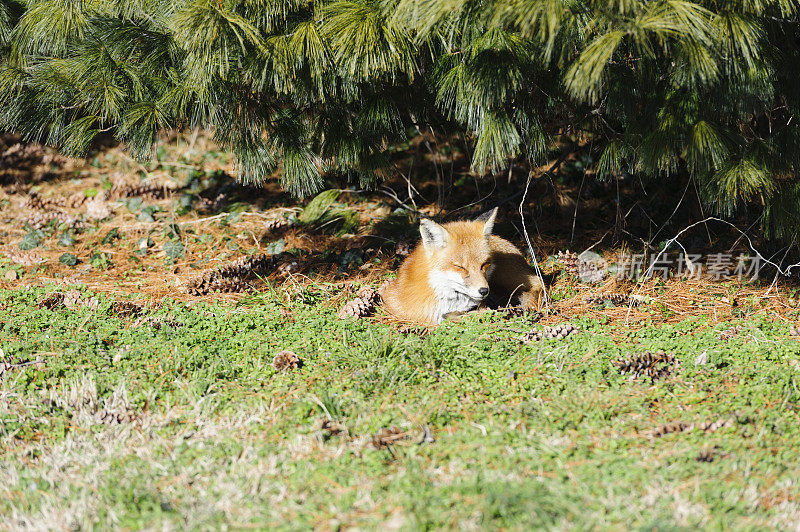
(785, 272)
(528, 239)
(391, 194)
(577, 203)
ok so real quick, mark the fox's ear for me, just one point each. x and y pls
(434, 236)
(488, 221)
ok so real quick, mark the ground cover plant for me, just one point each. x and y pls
(175, 353)
(178, 418)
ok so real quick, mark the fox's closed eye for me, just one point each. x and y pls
(485, 265)
(459, 268)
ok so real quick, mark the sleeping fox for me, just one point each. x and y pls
(457, 267)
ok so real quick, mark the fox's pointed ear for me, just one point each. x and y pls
(434, 236)
(488, 221)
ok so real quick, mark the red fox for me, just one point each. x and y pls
(457, 267)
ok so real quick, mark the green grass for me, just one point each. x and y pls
(548, 435)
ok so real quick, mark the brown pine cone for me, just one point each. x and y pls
(653, 365)
(76, 200)
(559, 332)
(669, 428)
(24, 258)
(276, 224)
(357, 308)
(386, 437)
(534, 335)
(289, 268)
(286, 360)
(157, 323)
(205, 286)
(569, 260)
(728, 334)
(513, 312)
(126, 309)
(329, 428)
(369, 294)
(38, 220)
(615, 299)
(51, 301)
(38, 202)
(230, 277)
(115, 417)
(74, 300)
(124, 189)
(590, 272)
(707, 426)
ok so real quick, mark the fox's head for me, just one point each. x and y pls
(460, 256)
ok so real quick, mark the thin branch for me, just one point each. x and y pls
(528, 239)
(787, 272)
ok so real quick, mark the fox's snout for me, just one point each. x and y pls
(475, 285)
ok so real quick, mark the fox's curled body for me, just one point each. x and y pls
(456, 268)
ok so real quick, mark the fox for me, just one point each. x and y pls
(458, 267)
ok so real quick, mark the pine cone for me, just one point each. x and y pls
(231, 277)
(115, 416)
(670, 428)
(126, 309)
(512, 312)
(590, 272)
(289, 268)
(286, 360)
(728, 334)
(362, 306)
(123, 189)
(38, 220)
(710, 454)
(329, 428)
(36, 201)
(559, 332)
(534, 335)
(203, 205)
(51, 301)
(74, 300)
(569, 260)
(707, 427)
(615, 299)
(276, 224)
(714, 426)
(369, 294)
(653, 365)
(24, 258)
(386, 437)
(76, 200)
(519, 312)
(157, 323)
(416, 330)
(221, 286)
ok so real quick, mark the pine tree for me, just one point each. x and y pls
(670, 89)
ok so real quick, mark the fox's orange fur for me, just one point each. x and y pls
(456, 268)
